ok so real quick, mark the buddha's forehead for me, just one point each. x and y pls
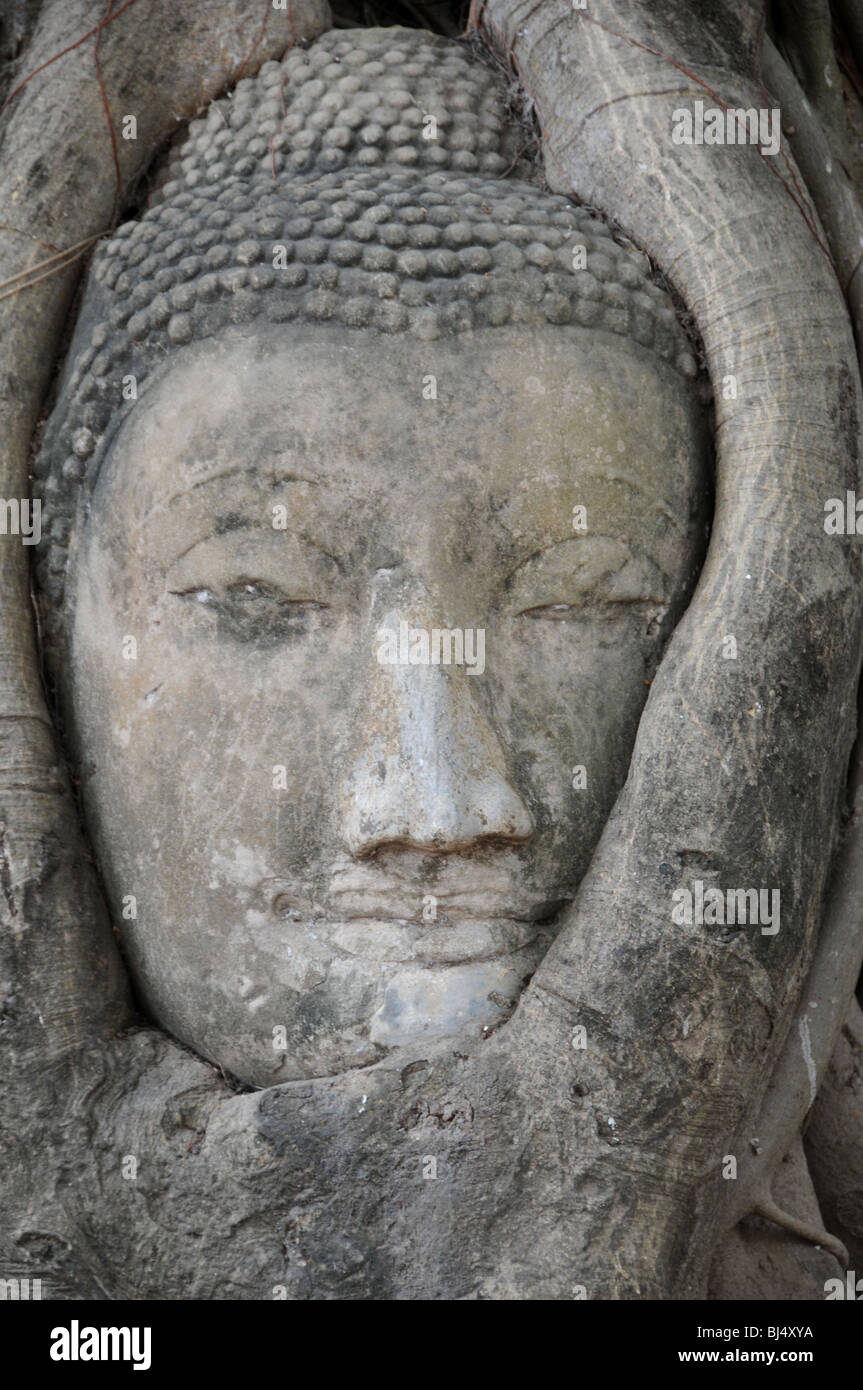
(509, 421)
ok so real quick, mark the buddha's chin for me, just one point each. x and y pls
(425, 1003)
(332, 1010)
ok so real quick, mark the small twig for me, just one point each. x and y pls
(268, 9)
(56, 263)
(5, 227)
(58, 256)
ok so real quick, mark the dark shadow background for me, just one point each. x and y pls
(441, 16)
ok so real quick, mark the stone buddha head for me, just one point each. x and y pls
(374, 487)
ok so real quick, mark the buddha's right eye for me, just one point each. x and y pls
(256, 610)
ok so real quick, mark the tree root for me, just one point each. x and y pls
(804, 37)
(771, 1254)
(834, 1139)
(827, 182)
(850, 17)
(816, 1235)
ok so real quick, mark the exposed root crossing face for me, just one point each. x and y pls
(333, 854)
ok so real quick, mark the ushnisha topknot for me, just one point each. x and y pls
(374, 180)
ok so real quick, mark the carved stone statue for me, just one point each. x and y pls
(280, 490)
(405, 700)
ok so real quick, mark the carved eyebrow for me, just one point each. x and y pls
(237, 469)
(617, 474)
(565, 540)
(248, 470)
(220, 528)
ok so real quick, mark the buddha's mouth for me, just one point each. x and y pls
(445, 942)
(450, 929)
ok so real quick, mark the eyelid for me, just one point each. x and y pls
(541, 609)
(576, 552)
(267, 618)
(245, 585)
(212, 595)
(598, 572)
(560, 612)
(571, 569)
(276, 558)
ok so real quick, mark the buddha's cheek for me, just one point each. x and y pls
(211, 769)
(568, 709)
(244, 750)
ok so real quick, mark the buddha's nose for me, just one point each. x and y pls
(427, 769)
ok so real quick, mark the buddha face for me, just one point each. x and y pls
(360, 632)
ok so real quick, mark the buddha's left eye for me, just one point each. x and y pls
(253, 609)
(555, 612)
(607, 610)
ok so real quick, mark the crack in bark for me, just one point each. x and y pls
(6, 878)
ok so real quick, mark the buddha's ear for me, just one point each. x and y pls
(67, 174)
(739, 769)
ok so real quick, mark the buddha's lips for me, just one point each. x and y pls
(457, 927)
(390, 940)
(481, 908)
(463, 891)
